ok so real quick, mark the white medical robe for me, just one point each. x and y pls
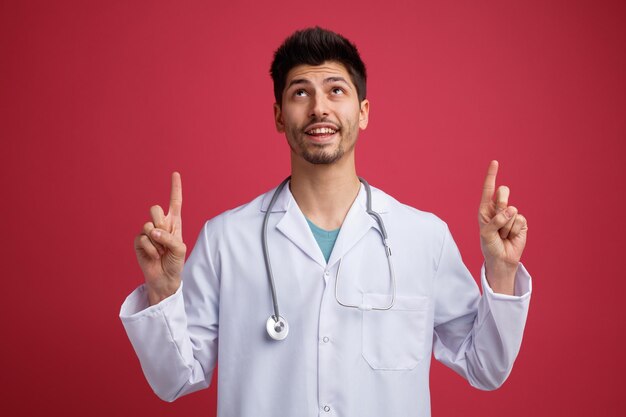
(336, 361)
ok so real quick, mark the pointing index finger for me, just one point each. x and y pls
(176, 195)
(489, 187)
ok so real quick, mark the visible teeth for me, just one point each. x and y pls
(321, 131)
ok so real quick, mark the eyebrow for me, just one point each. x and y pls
(297, 81)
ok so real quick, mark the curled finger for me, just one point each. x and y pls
(519, 225)
(143, 243)
(506, 229)
(147, 229)
(490, 231)
(170, 241)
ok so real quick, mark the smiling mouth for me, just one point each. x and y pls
(320, 133)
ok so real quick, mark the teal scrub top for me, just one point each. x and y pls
(325, 238)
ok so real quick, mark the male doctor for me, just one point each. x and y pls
(346, 353)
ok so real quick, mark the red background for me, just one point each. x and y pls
(100, 101)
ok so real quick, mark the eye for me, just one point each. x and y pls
(337, 90)
(300, 93)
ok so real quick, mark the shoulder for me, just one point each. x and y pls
(409, 218)
(241, 217)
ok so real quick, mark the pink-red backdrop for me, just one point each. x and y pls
(100, 101)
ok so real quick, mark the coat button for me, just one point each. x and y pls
(325, 339)
(326, 408)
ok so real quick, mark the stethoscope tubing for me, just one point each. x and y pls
(277, 327)
(268, 265)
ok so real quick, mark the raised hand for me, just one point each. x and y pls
(160, 249)
(502, 233)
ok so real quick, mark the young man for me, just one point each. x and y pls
(358, 321)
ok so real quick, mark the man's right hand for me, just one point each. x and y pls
(160, 249)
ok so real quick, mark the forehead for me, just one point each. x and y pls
(314, 72)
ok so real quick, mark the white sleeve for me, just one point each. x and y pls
(478, 337)
(176, 339)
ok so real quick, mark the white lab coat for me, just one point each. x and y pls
(336, 361)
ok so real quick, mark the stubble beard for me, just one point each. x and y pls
(319, 156)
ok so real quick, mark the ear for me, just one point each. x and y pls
(278, 119)
(364, 114)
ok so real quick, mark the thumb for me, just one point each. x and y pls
(168, 240)
(490, 230)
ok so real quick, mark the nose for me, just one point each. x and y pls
(319, 106)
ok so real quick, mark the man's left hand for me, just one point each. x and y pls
(502, 234)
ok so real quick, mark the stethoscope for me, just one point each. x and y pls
(277, 327)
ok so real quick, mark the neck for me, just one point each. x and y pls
(324, 193)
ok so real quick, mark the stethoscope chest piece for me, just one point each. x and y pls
(277, 330)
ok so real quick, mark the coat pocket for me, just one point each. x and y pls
(394, 339)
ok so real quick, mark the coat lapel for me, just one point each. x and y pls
(356, 224)
(294, 226)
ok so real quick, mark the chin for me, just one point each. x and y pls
(322, 158)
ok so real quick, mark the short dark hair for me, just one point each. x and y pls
(314, 46)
